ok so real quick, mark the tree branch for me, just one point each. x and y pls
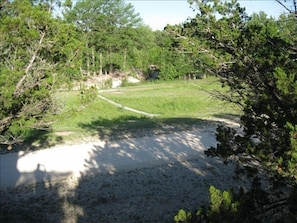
(282, 4)
(4, 123)
(30, 64)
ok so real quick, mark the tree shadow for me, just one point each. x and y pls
(26, 190)
(149, 179)
(38, 202)
(29, 191)
(131, 126)
(127, 179)
(33, 141)
(228, 116)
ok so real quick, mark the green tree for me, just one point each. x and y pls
(263, 81)
(107, 25)
(142, 50)
(257, 60)
(32, 49)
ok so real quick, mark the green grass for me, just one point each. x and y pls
(174, 98)
(178, 103)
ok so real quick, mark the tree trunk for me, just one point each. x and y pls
(125, 58)
(88, 61)
(100, 63)
(93, 61)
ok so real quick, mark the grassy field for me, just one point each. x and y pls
(174, 99)
(177, 103)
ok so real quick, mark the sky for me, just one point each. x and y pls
(158, 13)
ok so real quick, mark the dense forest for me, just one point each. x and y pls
(47, 43)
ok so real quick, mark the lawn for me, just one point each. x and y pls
(174, 98)
(178, 103)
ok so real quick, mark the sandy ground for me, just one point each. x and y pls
(145, 179)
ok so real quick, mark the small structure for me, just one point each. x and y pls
(153, 72)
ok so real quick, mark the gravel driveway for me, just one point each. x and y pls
(145, 179)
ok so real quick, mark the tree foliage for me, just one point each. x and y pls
(23, 92)
(251, 206)
(33, 46)
(262, 79)
(45, 43)
(256, 58)
(107, 27)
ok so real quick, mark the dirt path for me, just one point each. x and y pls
(144, 179)
(101, 157)
(127, 108)
(152, 194)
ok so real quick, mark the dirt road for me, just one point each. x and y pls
(144, 179)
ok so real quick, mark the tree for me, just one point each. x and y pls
(258, 63)
(262, 80)
(141, 48)
(106, 26)
(31, 49)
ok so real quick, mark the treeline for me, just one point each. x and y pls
(45, 43)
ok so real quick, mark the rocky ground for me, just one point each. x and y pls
(145, 194)
(152, 194)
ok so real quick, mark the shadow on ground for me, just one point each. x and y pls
(167, 172)
(40, 202)
(179, 179)
(150, 194)
(131, 126)
(138, 195)
(33, 141)
(226, 116)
